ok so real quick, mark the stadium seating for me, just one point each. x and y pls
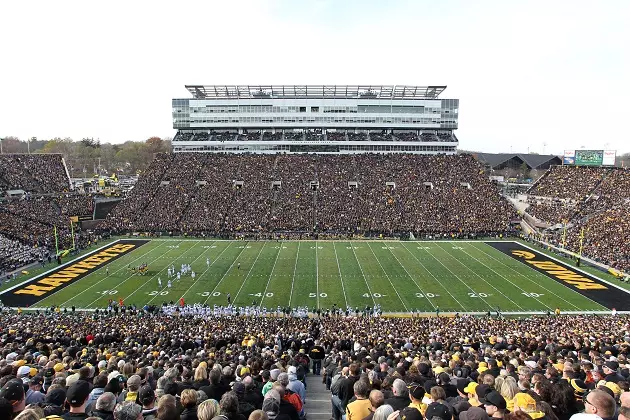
(190, 362)
(367, 194)
(37, 173)
(572, 182)
(591, 199)
(14, 254)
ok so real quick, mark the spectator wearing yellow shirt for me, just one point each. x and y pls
(360, 408)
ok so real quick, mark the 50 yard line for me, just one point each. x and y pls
(317, 274)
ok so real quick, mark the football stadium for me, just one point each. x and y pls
(295, 231)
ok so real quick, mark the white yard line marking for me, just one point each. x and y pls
(317, 274)
(125, 280)
(250, 271)
(530, 280)
(297, 255)
(362, 273)
(412, 279)
(177, 259)
(226, 272)
(104, 278)
(501, 275)
(476, 274)
(206, 270)
(458, 278)
(340, 276)
(390, 280)
(271, 274)
(432, 275)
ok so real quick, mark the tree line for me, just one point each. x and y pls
(88, 157)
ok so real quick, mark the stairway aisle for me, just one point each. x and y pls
(317, 405)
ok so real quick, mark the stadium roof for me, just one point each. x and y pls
(315, 91)
(533, 161)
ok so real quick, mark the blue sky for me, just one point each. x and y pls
(542, 76)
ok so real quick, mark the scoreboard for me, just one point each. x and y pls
(590, 157)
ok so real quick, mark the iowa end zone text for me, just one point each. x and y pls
(40, 287)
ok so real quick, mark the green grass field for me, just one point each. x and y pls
(456, 276)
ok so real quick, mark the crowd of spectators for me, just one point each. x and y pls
(32, 219)
(552, 210)
(351, 194)
(14, 254)
(569, 182)
(36, 173)
(152, 365)
(605, 237)
(593, 200)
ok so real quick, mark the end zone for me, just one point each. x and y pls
(592, 287)
(33, 290)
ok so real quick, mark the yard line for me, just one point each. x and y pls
(362, 273)
(485, 281)
(127, 278)
(226, 272)
(192, 247)
(250, 271)
(505, 278)
(294, 271)
(106, 277)
(317, 274)
(414, 280)
(432, 275)
(526, 277)
(340, 276)
(271, 273)
(206, 270)
(387, 275)
(457, 277)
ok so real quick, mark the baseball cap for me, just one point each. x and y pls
(78, 392)
(494, 398)
(439, 410)
(58, 367)
(23, 371)
(470, 388)
(13, 390)
(37, 380)
(134, 381)
(524, 401)
(611, 364)
(482, 390)
(72, 379)
(146, 395)
(416, 390)
(56, 397)
(462, 384)
(474, 413)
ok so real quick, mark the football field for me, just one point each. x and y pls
(400, 276)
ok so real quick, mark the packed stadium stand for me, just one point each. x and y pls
(37, 173)
(188, 363)
(198, 193)
(593, 199)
